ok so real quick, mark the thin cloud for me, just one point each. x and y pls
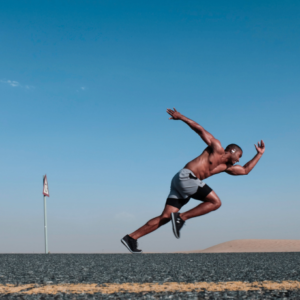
(14, 83)
(11, 82)
(83, 88)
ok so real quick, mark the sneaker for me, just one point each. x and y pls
(130, 244)
(177, 224)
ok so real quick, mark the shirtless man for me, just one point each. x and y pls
(188, 183)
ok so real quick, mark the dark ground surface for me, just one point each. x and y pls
(121, 268)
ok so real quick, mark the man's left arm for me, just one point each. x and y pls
(239, 170)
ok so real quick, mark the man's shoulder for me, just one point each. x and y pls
(217, 147)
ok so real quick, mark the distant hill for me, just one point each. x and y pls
(255, 245)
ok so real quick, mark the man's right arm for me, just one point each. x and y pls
(239, 170)
(207, 137)
(245, 170)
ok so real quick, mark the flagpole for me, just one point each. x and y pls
(45, 223)
(46, 194)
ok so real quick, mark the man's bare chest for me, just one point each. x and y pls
(215, 164)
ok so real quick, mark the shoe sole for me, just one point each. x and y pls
(174, 225)
(126, 245)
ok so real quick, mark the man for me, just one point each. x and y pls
(188, 183)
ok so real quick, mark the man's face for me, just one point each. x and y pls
(235, 156)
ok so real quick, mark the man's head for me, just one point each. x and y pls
(235, 151)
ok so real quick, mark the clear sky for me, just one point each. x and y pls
(84, 88)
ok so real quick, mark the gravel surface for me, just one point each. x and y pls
(19, 269)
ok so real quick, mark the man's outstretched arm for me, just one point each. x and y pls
(239, 170)
(205, 135)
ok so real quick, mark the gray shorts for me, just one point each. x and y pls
(186, 185)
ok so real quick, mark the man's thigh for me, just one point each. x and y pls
(177, 203)
(202, 193)
(213, 198)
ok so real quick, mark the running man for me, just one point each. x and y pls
(188, 183)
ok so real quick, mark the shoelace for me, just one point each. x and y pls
(183, 222)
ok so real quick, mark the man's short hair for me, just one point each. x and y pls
(233, 147)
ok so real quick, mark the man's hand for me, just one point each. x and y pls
(260, 148)
(175, 115)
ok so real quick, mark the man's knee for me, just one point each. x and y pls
(165, 216)
(160, 220)
(218, 204)
(214, 199)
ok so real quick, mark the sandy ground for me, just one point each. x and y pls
(255, 245)
(110, 288)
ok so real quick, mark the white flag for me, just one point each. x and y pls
(46, 189)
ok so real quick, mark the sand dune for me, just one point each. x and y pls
(255, 245)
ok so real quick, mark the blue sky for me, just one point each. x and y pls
(84, 88)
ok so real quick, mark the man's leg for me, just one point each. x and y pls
(155, 223)
(211, 202)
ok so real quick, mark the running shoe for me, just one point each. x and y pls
(177, 224)
(130, 244)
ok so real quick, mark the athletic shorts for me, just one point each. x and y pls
(184, 186)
